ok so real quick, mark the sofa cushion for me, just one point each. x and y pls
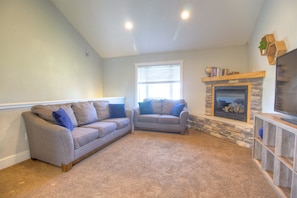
(117, 111)
(62, 119)
(85, 112)
(146, 107)
(148, 118)
(102, 109)
(177, 109)
(82, 136)
(168, 119)
(156, 104)
(103, 127)
(120, 122)
(46, 112)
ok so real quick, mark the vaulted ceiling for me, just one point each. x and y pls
(158, 26)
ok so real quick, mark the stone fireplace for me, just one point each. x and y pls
(227, 98)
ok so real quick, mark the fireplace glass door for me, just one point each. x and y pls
(231, 102)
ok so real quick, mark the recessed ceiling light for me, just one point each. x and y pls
(185, 15)
(129, 25)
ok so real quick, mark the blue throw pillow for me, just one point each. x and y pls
(261, 132)
(63, 119)
(177, 108)
(117, 111)
(146, 107)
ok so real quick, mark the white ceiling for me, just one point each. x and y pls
(157, 24)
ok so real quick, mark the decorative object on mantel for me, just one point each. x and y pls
(232, 73)
(272, 48)
(265, 42)
(216, 71)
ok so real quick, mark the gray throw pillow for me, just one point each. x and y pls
(169, 104)
(102, 109)
(84, 112)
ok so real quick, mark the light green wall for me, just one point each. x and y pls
(42, 57)
(119, 73)
(279, 18)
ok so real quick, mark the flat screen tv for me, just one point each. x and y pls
(286, 86)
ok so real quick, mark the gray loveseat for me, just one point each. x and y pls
(161, 115)
(91, 126)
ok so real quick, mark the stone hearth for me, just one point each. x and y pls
(237, 132)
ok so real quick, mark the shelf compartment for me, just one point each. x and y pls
(267, 162)
(258, 123)
(257, 151)
(283, 177)
(268, 38)
(275, 49)
(287, 161)
(285, 145)
(269, 133)
(294, 186)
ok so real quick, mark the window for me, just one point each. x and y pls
(159, 80)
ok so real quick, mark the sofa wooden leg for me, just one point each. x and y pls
(66, 167)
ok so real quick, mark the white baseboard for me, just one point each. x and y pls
(14, 159)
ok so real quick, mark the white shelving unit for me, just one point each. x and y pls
(276, 154)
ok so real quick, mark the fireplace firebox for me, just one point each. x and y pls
(231, 102)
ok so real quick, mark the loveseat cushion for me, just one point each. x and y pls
(103, 128)
(168, 119)
(157, 105)
(148, 118)
(120, 122)
(82, 136)
(102, 109)
(85, 112)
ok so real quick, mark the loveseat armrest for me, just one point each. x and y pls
(184, 116)
(47, 141)
(130, 115)
(136, 111)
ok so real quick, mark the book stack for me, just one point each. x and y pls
(217, 71)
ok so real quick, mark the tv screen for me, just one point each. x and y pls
(286, 84)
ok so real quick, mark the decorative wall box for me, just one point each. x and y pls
(275, 49)
(268, 38)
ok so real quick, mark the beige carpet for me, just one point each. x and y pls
(146, 164)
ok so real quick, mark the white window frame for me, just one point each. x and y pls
(174, 62)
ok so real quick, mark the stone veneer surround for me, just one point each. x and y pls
(237, 132)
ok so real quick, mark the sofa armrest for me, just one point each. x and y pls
(47, 141)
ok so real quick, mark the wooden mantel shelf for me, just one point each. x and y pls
(258, 74)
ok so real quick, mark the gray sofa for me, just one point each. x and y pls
(161, 115)
(92, 126)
